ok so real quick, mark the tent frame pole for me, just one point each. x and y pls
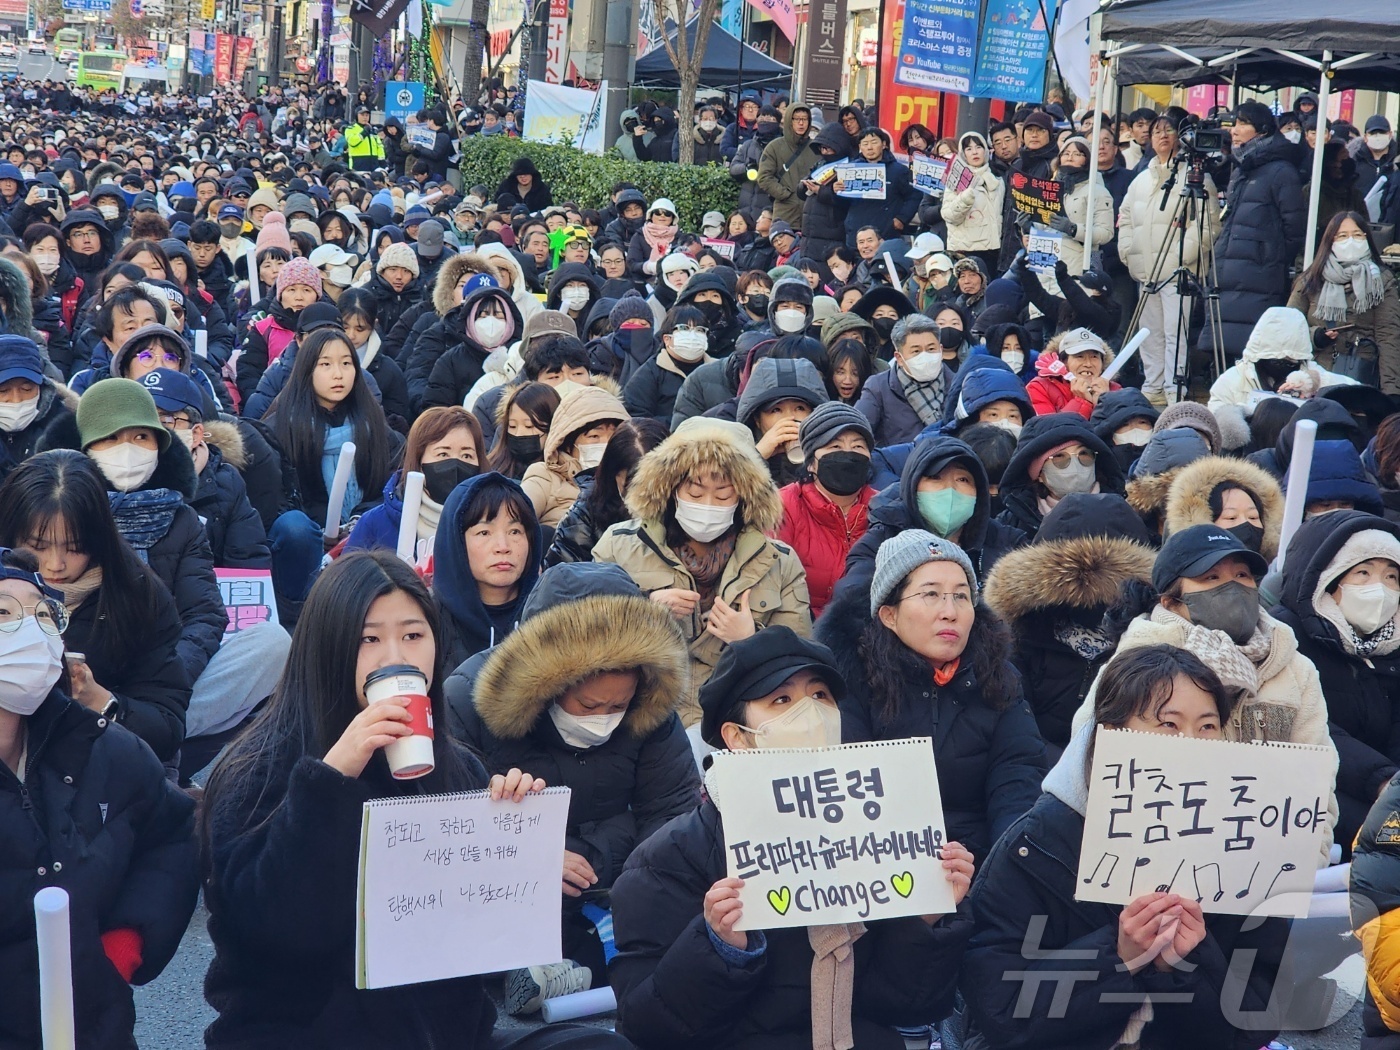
(1324, 93)
(1105, 74)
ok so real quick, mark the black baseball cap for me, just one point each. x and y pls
(1193, 551)
(317, 315)
(756, 666)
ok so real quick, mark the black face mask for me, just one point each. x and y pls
(950, 338)
(757, 304)
(1249, 534)
(1232, 607)
(1273, 371)
(883, 326)
(525, 448)
(440, 478)
(843, 473)
(714, 313)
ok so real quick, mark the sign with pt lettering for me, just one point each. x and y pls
(454, 885)
(1042, 198)
(249, 597)
(1236, 827)
(850, 833)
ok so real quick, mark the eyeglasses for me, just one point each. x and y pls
(696, 328)
(160, 358)
(959, 600)
(51, 616)
(176, 422)
(1060, 460)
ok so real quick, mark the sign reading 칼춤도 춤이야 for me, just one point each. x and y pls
(850, 833)
(1237, 827)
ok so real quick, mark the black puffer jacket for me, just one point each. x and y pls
(582, 620)
(447, 361)
(97, 817)
(1028, 882)
(989, 753)
(578, 531)
(1037, 163)
(1020, 492)
(1334, 423)
(237, 537)
(675, 991)
(1262, 232)
(392, 304)
(1363, 694)
(824, 213)
(653, 387)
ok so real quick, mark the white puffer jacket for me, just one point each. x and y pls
(974, 215)
(1077, 211)
(1281, 332)
(1144, 226)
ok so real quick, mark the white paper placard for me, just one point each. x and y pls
(453, 885)
(850, 833)
(1230, 825)
(1043, 248)
(861, 181)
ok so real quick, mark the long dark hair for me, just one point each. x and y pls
(316, 697)
(538, 401)
(631, 441)
(1312, 276)
(131, 249)
(300, 422)
(66, 485)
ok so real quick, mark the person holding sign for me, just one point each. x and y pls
(686, 979)
(87, 808)
(1075, 172)
(1085, 980)
(934, 662)
(584, 692)
(281, 825)
(893, 211)
(974, 211)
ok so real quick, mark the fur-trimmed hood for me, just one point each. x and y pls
(227, 438)
(561, 646)
(1084, 572)
(15, 300)
(445, 295)
(1148, 494)
(701, 445)
(1188, 502)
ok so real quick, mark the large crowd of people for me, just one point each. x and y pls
(818, 470)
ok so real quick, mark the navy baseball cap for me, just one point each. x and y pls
(173, 391)
(230, 211)
(20, 359)
(1193, 551)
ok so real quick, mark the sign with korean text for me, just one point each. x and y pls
(899, 105)
(1042, 198)
(721, 247)
(402, 98)
(861, 181)
(242, 51)
(420, 136)
(453, 885)
(826, 52)
(223, 58)
(928, 173)
(1043, 250)
(557, 53)
(1013, 50)
(851, 833)
(939, 45)
(1236, 827)
(248, 596)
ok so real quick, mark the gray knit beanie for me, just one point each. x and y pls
(631, 307)
(902, 554)
(829, 420)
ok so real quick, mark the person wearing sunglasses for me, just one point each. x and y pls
(131, 875)
(1056, 455)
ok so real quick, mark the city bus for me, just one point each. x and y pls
(100, 69)
(68, 37)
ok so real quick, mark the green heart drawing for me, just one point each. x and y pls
(903, 884)
(781, 899)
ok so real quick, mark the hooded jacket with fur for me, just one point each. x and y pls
(550, 482)
(1189, 500)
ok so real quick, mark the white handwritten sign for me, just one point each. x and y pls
(861, 181)
(835, 834)
(1231, 825)
(453, 885)
(1043, 249)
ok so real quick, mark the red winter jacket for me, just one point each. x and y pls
(68, 303)
(814, 527)
(1049, 391)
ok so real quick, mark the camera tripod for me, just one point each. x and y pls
(1191, 288)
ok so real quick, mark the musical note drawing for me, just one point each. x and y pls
(1111, 869)
(1141, 862)
(1281, 870)
(1245, 892)
(1168, 887)
(1196, 877)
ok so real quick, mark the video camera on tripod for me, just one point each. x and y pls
(1200, 143)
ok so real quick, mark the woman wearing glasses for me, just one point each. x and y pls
(86, 807)
(1055, 455)
(933, 663)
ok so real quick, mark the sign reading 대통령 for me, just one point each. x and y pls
(1042, 198)
(1237, 827)
(850, 833)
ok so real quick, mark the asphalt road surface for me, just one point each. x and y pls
(171, 1012)
(40, 67)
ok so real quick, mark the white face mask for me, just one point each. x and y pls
(1293, 136)
(1009, 425)
(185, 437)
(16, 417)
(703, 522)
(573, 298)
(1378, 141)
(1368, 607)
(1073, 477)
(490, 331)
(584, 731)
(46, 261)
(790, 321)
(923, 368)
(109, 211)
(30, 663)
(126, 466)
(1014, 360)
(708, 125)
(689, 346)
(1133, 437)
(807, 723)
(589, 456)
(1350, 250)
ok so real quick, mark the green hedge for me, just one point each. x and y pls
(576, 176)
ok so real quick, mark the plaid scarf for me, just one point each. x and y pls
(926, 399)
(145, 516)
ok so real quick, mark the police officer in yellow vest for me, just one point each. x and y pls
(362, 146)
